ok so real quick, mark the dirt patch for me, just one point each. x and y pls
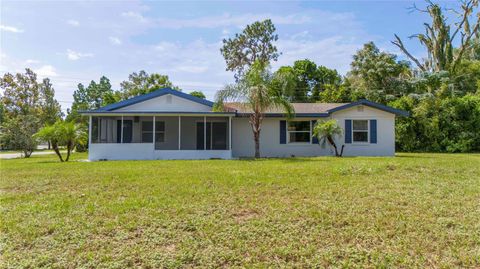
(245, 215)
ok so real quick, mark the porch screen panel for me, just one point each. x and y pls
(104, 129)
(142, 129)
(189, 133)
(166, 133)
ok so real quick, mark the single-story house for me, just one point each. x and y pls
(169, 124)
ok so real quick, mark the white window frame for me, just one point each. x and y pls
(368, 132)
(309, 134)
(159, 132)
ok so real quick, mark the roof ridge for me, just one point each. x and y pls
(153, 94)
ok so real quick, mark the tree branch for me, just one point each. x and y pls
(398, 42)
(465, 43)
(466, 8)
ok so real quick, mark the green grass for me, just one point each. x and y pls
(415, 210)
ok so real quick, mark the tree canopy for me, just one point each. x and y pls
(143, 83)
(254, 44)
(307, 81)
(198, 94)
(94, 96)
(26, 106)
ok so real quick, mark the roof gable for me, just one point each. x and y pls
(154, 94)
(378, 106)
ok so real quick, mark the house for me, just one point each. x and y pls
(169, 124)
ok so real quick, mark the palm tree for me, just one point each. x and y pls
(73, 134)
(49, 134)
(326, 131)
(63, 133)
(255, 92)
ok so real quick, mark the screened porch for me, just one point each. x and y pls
(163, 137)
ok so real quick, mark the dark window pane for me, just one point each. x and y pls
(360, 136)
(360, 125)
(160, 137)
(127, 131)
(299, 137)
(147, 126)
(299, 126)
(95, 129)
(160, 126)
(147, 137)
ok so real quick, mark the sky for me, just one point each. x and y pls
(75, 42)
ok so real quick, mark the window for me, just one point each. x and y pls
(147, 131)
(160, 131)
(360, 131)
(298, 132)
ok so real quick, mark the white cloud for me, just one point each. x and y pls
(74, 23)
(115, 40)
(227, 20)
(46, 71)
(75, 55)
(11, 29)
(134, 15)
(31, 61)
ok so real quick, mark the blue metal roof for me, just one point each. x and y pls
(164, 91)
(95, 112)
(157, 93)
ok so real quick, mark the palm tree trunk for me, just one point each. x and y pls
(256, 137)
(255, 122)
(332, 143)
(57, 151)
(69, 149)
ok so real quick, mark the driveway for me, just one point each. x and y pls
(18, 154)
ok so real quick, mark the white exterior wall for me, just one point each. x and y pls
(243, 144)
(385, 145)
(166, 103)
(145, 151)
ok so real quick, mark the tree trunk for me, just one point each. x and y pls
(332, 143)
(255, 122)
(256, 137)
(27, 153)
(57, 151)
(69, 149)
(49, 145)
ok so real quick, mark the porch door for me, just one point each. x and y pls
(127, 131)
(216, 135)
(200, 135)
(219, 135)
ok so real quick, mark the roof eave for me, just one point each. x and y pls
(104, 113)
(385, 108)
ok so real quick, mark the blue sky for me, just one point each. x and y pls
(74, 42)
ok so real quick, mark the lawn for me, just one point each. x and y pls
(414, 210)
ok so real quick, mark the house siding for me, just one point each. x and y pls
(270, 146)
